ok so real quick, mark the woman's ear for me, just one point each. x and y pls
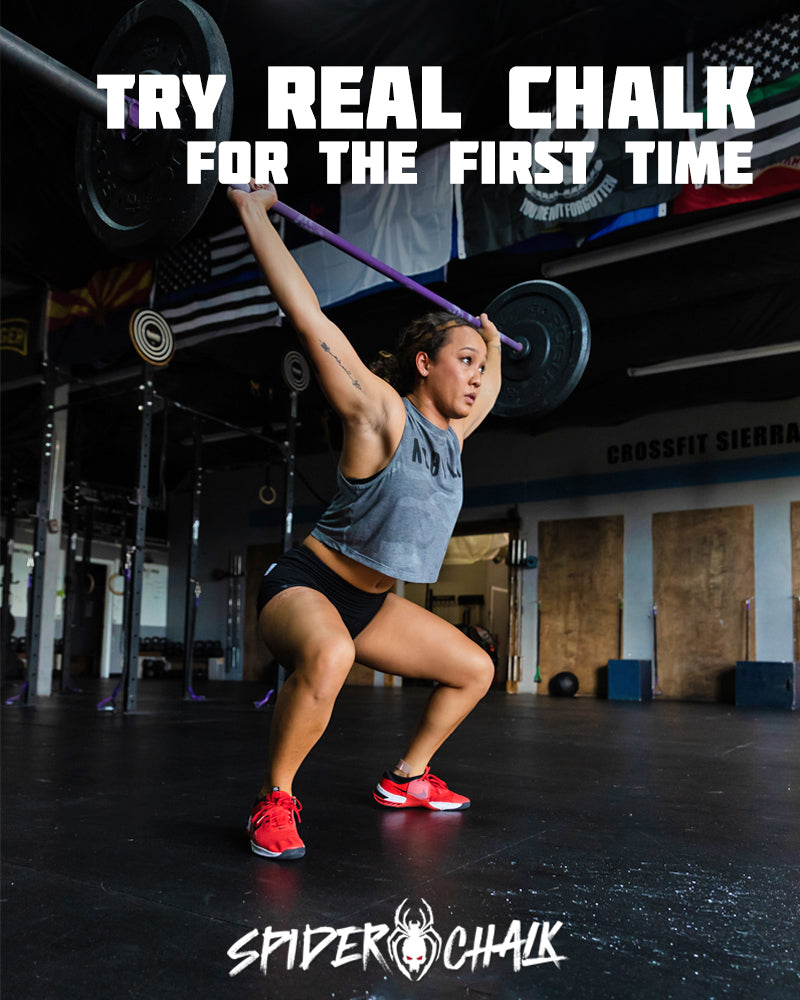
(423, 363)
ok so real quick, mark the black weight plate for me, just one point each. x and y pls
(132, 185)
(551, 321)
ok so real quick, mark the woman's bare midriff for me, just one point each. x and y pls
(363, 577)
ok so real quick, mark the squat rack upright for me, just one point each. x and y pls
(47, 518)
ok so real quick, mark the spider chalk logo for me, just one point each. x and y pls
(413, 944)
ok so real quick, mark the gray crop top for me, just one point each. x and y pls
(400, 520)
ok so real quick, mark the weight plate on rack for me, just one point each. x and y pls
(152, 337)
(296, 373)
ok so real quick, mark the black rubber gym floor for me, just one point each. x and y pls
(614, 851)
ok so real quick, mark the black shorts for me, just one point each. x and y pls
(301, 568)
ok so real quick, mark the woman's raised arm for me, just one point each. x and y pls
(357, 395)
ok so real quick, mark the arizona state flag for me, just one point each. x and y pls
(89, 325)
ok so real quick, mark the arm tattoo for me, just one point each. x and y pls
(354, 381)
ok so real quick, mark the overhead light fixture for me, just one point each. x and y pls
(721, 358)
(673, 240)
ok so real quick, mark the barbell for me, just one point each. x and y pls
(133, 192)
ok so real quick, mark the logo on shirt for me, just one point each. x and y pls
(431, 459)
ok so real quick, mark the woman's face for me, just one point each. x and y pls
(453, 377)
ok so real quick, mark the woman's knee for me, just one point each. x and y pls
(488, 671)
(479, 670)
(323, 667)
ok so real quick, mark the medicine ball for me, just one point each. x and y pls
(563, 685)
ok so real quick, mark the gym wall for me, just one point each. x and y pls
(731, 504)
(573, 474)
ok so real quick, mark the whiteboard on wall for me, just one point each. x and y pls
(155, 580)
(21, 568)
(154, 595)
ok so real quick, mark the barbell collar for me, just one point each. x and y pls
(523, 352)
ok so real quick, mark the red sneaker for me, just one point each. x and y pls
(426, 791)
(273, 827)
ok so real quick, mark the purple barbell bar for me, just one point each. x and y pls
(377, 265)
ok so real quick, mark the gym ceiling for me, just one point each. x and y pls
(735, 291)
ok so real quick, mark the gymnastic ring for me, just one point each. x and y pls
(273, 495)
(118, 593)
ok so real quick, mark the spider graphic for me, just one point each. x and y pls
(414, 944)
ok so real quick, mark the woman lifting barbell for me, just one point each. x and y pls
(327, 603)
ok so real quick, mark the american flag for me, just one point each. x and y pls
(773, 50)
(212, 287)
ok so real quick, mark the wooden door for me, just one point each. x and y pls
(581, 567)
(703, 576)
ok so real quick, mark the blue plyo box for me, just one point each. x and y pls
(630, 680)
(767, 683)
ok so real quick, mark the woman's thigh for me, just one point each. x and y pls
(301, 626)
(406, 639)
